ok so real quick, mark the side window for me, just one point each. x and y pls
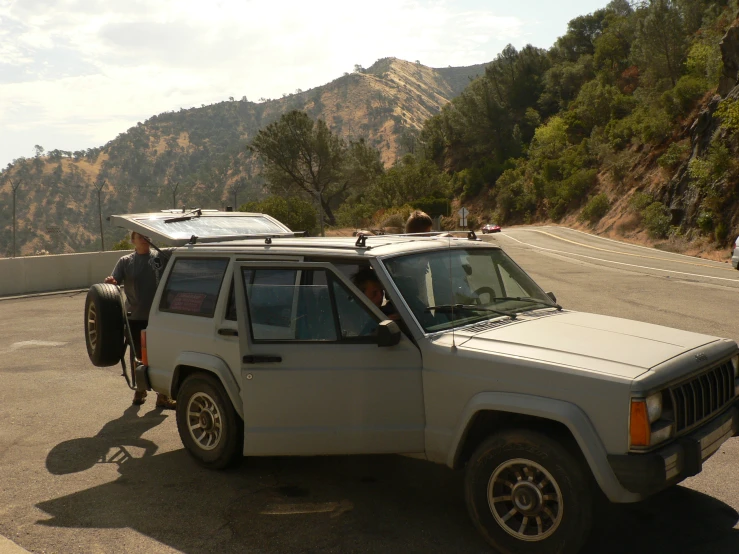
(306, 305)
(193, 286)
(354, 319)
(271, 297)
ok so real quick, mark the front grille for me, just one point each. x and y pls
(703, 396)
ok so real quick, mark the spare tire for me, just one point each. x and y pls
(104, 325)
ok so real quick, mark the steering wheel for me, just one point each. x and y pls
(485, 290)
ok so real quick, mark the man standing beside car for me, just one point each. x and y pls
(139, 274)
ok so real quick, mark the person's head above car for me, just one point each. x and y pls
(140, 243)
(419, 222)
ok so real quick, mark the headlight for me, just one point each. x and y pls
(654, 407)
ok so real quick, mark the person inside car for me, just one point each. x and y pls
(366, 280)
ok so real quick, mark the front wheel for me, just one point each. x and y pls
(209, 427)
(527, 494)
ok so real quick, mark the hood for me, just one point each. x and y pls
(611, 345)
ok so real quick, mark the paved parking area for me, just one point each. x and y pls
(84, 471)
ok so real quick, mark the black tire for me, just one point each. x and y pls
(495, 465)
(104, 325)
(218, 443)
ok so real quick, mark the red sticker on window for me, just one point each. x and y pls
(187, 302)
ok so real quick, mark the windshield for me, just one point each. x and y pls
(456, 287)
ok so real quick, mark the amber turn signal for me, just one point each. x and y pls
(639, 428)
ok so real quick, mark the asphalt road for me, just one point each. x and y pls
(81, 470)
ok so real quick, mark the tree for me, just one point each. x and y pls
(407, 181)
(236, 187)
(298, 152)
(296, 213)
(580, 37)
(660, 44)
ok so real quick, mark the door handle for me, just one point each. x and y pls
(261, 359)
(228, 332)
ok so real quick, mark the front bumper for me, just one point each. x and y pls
(646, 474)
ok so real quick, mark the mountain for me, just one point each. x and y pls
(198, 157)
(628, 126)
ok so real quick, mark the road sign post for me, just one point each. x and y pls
(463, 217)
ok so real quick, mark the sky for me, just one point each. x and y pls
(74, 74)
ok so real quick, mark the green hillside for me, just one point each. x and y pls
(198, 156)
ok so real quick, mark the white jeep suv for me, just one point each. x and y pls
(271, 350)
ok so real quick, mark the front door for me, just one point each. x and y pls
(314, 380)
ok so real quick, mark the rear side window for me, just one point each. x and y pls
(193, 286)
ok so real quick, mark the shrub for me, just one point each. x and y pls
(433, 206)
(681, 99)
(712, 167)
(395, 220)
(620, 165)
(123, 244)
(577, 186)
(722, 232)
(394, 217)
(704, 61)
(676, 153)
(728, 113)
(296, 213)
(596, 208)
(640, 201)
(354, 214)
(705, 221)
(657, 220)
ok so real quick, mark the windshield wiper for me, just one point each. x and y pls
(529, 299)
(448, 308)
(187, 217)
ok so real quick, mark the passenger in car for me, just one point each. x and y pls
(366, 280)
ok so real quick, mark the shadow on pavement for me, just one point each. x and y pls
(678, 520)
(79, 454)
(332, 504)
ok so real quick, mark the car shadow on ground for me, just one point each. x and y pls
(330, 504)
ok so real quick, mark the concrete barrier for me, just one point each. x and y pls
(32, 274)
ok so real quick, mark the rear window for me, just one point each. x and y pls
(193, 286)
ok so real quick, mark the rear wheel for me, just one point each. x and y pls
(527, 494)
(103, 325)
(207, 422)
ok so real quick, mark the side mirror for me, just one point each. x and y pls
(551, 295)
(388, 333)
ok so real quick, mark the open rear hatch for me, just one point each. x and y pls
(177, 228)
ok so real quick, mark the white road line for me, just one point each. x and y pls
(620, 263)
(621, 243)
(637, 245)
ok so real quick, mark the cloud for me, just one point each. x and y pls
(65, 61)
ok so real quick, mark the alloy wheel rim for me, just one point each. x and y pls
(92, 326)
(204, 421)
(525, 500)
